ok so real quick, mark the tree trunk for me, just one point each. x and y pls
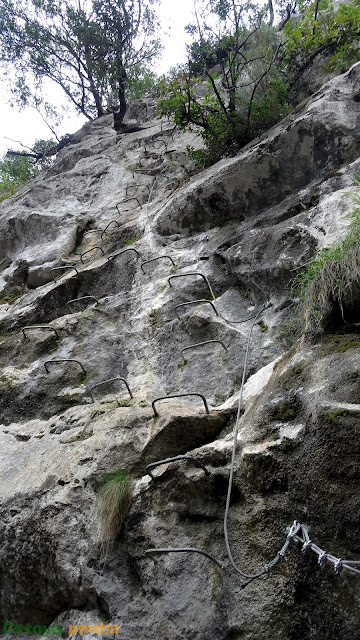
(121, 86)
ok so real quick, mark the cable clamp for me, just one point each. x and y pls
(338, 566)
(268, 570)
(306, 545)
(322, 558)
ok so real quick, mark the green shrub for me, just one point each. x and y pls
(321, 28)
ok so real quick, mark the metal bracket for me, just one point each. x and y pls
(99, 384)
(174, 459)
(82, 298)
(203, 300)
(62, 268)
(63, 360)
(127, 200)
(107, 226)
(200, 344)
(137, 184)
(88, 251)
(179, 395)
(153, 260)
(185, 550)
(115, 255)
(39, 327)
(193, 273)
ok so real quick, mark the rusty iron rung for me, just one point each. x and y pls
(99, 384)
(193, 273)
(115, 255)
(137, 184)
(174, 459)
(48, 328)
(154, 140)
(82, 298)
(202, 300)
(63, 360)
(200, 344)
(127, 200)
(89, 250)
(107, 226)
(62, 268)
(185, 550)
(154, 259)
(179, 395)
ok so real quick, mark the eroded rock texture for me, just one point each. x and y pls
(247, 224)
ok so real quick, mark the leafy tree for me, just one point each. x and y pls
(18, 167)
(322, 28)
(249, 93)
(87, 47)
(258, 65)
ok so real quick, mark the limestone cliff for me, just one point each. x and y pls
(246, 225)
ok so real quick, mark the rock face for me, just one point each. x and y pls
(236, 234)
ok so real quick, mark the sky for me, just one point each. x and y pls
(27, 126)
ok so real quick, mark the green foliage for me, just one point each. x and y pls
(7, 297)
(182, 364)
(330, 276)
(81, 379)
(88, 49)
(323, 27)
(124, 403)
(248, 96)
(263, 327)
(140, 81)
(115, 499)
(15, 170)
(129, 241)
(333, 416)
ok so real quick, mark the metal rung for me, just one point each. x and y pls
(154, 141)
(62, 268)
(193, 273)
(153, 260)
(99, 384)
(185, 550)
(179, 395)
(115, 255)
(82, 298)
(107, 226)
(203, 300)
(127, 200)
(63, 360)
(88, 251)
(174, 459)
(39, 327)
(200, 344)
(166, 122)
(137, 184)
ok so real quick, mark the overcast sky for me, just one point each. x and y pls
(27, 126)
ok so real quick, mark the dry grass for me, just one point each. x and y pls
(114, 501)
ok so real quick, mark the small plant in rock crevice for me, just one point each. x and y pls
(329, 279)
(114, 501)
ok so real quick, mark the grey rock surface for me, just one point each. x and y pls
(247, 224)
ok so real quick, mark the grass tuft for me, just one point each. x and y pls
(330, 277)
(115, 499)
